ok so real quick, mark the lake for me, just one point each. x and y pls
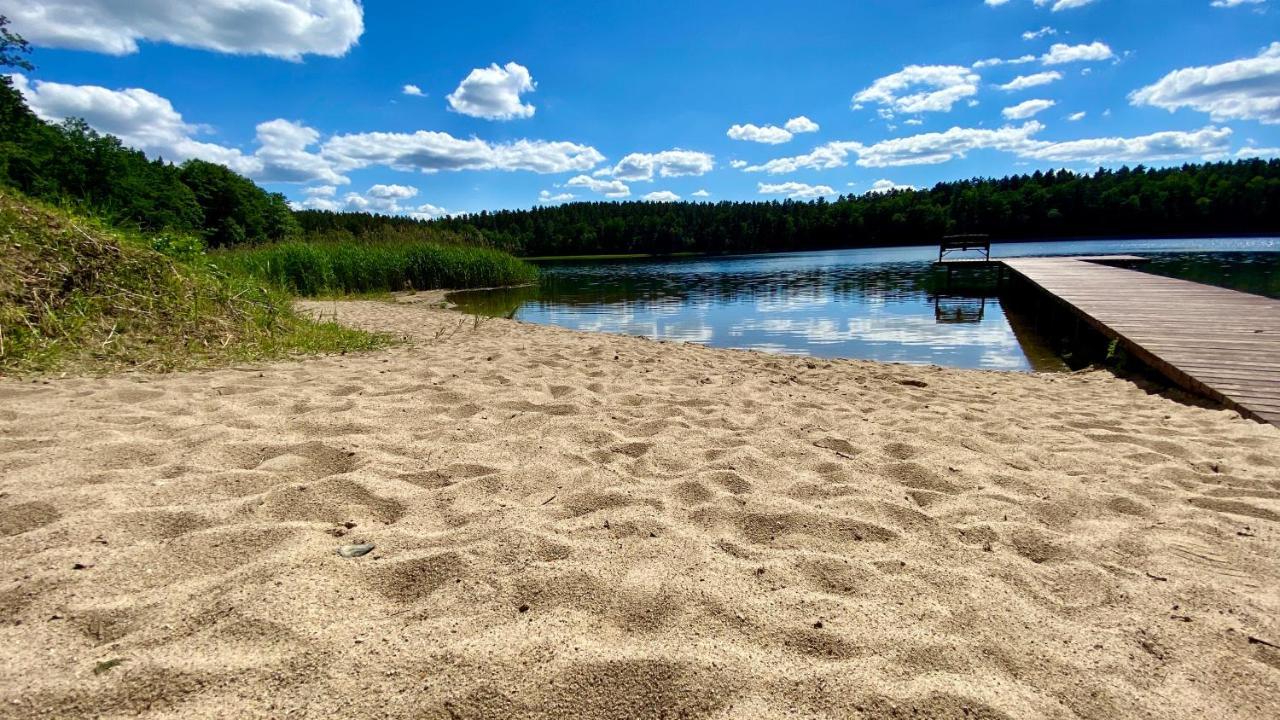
(886, 304)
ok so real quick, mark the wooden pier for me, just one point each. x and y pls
(1219, 343)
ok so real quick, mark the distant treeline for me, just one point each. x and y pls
(71, 163)
(1206, 199)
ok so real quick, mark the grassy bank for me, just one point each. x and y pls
(75, 294)
(363, 267)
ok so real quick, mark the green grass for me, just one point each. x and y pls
(77, 295)
(327, 268)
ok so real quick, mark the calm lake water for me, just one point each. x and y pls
(884, 304)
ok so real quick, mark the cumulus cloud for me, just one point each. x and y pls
(149, 122)
(1239, 90)
(493, 93)
(546, 197)
(1022, 82)
(924, 149)
(430, 151)
(1061, 53)
(921, 88)
(1036, 34)
(884, 186)
(413, 90)
(1024, 110)
(1161, 146)
(801, 124)
(661, 196)
(285, 29)
(939, 147)
(668, 163)
(1076, 117)
(700, 194)
(1235, 3)
(738, 164)
(769, 134)
(427, 211)
(993, 62)
(1055, 4)
(608, 188)
(1257, 152)
(795, 190)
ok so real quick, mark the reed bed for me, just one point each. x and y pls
(329, 268)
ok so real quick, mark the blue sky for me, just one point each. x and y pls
(527, 103)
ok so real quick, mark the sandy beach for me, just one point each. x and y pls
(572, 525)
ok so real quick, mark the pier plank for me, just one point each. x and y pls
(1212, 341)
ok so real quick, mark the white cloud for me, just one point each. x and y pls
(284, 155)
(546, 197)
(661, 196)
(701, 193)
(392, 192)
(383, 199)
(493, 93)
(427, 211)
(1208, 142)
(769, 134)
(884, 186)
(992, 62)
(1024, 110)
(429, 151)
(1076, 117)
(1036, 34)
(608, 188)
(795, 190)
(1057, 4)
(802, 124)
(279, 28)
(1061, 53)
(935, 148)
(1022, 82)
(1235, 3)
(921, 88)
(824, 157)
(149, 122)
(668, 163)
(738, 164)
(413, 90)
(1238, 90)
(1252, 152)
(1065, 4)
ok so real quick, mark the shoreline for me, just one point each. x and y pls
(571, 524)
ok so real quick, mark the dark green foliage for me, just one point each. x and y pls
(72, 163)
(317, 268)
(1215, 198)
(235, 209)
(13, 48)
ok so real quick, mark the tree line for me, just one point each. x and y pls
(1239, 197)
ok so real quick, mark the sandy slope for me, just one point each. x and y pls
(575, 525)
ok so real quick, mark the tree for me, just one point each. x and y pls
(13, 48)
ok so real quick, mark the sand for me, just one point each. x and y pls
(573, 525)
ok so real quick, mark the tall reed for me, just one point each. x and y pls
(361, 267)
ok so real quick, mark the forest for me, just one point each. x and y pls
(1239, 197)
